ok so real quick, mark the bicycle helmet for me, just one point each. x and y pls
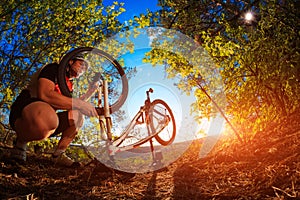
(81, 57)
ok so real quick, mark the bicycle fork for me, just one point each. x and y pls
(107, 111)
(104, 118)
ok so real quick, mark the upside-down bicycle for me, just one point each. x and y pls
(155, 116)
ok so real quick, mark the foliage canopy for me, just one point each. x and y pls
(258, 60)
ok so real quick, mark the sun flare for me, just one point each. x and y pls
(249, 16)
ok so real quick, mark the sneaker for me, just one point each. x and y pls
(64, 160)
(18, 154)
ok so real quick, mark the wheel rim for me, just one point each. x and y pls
(110, 69)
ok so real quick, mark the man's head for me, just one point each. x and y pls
(78, 65)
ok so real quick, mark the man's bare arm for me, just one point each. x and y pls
(47, 93)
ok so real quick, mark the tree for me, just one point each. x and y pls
(34, 33)
(266, 79)
(258, 60)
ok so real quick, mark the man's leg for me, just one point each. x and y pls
(75, 121)
(38, 121)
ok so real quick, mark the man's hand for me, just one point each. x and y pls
(85, 108)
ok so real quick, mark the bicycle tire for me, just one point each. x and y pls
(157, 135)
(62, 74)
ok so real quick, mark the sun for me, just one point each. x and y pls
(249, 16)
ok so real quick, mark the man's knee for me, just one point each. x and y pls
(76, 118)
(47, 125)
(38, 122)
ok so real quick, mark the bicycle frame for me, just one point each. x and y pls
(142, 117)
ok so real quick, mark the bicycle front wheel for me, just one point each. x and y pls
(162, 122)
(101, 66)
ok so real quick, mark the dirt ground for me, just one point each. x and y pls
(266, 168)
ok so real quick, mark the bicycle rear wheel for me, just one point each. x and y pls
(102, 66)
(162, 122)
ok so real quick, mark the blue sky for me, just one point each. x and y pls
(165, 89)
(148, 76)
(134, 7)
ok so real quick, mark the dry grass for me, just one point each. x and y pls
(267, 168)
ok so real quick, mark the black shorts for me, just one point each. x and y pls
(25, 99)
